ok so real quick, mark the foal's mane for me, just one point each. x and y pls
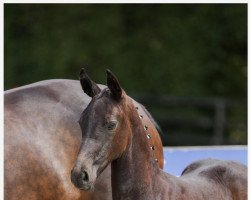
(157, 126)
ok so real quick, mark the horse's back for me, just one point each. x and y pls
(230, 176)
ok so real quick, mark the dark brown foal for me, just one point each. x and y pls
(42, 139)
(113, 132)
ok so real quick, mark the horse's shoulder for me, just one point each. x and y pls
(45, 105)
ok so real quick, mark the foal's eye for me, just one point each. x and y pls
(111, 125)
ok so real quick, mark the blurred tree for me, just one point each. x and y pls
(174, 49)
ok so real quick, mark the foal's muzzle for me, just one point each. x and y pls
(87, 166)
(81, 180)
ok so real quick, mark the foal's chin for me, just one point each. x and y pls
(102, 167)
(89, 187)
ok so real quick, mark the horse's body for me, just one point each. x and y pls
(42, 139)
(134, 171)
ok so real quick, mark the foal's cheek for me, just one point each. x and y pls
(114, 150)
(123, 141)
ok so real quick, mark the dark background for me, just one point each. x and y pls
(186, 62)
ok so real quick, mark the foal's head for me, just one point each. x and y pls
(105, 129)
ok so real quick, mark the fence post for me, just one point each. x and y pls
(219, 121)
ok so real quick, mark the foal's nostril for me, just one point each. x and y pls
(84, 176)
(80, 179)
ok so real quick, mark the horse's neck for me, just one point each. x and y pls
(132, 173)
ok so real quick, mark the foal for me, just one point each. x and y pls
(113, 132)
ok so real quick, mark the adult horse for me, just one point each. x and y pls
(114, 133)
(42, 139)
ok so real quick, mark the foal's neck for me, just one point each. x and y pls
(132, 173)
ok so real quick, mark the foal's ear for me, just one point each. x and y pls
(113, 85)
(88, 86)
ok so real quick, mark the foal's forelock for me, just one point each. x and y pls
(104, 92)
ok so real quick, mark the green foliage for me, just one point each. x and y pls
(174, 49)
